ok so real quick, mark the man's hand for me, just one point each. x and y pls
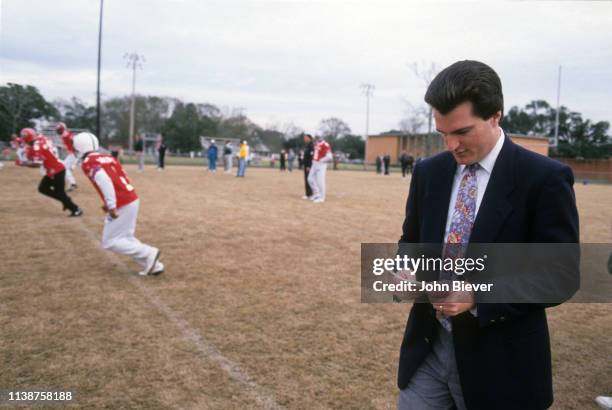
(454, 303)
(399, 277)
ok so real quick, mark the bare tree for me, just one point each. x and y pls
(333, 128)
(414, 119)
(426, 71)
(290, 130)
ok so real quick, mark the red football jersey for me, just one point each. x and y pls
(16, 142)
(43, 150)
(124, 191)
(67, 139)
(320, 150)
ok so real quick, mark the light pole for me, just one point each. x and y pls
(98, 128)
(134, 61)
(556, 138)
(367, 90)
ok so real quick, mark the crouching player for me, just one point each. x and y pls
(40, 149)
(120, 204)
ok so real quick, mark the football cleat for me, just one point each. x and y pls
(76, 212)
(157, 270)
(152, 261)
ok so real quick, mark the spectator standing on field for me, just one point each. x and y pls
(300, 158)
(404, 163)
(378, 164)
(290, 159)
(161, 154)
(212, 156)
(307, 163)
(387, 162)
(139, 149)
(115, 152)
(243, 156)
(283, 160)
(227, 156)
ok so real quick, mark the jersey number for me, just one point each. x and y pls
(128, 186)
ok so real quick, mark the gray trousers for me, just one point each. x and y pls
(435, 385)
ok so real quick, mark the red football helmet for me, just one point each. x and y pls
(60, 128)
(28, 135)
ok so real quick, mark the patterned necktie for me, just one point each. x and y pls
(462, 221)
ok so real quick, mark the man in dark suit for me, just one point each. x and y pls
(457, 352)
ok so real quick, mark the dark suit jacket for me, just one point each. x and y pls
(503, 354)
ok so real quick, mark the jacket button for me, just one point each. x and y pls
(426, 340)
(492, 320)
(502, 318)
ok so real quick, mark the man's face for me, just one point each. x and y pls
(306, 139)
(468, 137)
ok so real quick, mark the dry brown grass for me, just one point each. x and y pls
(272, 281)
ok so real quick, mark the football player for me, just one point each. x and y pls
(40, 149)
(17, 144)
(120, 204)
(316, 176)
(70, 160)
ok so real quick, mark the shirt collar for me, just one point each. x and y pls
(488, 161)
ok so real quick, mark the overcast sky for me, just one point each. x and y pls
(302, 61)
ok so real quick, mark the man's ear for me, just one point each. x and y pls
(496, 119)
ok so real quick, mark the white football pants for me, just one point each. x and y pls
(21, 155)
(69, 162)
(316, 179)
(118, 235)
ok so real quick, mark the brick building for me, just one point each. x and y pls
(395, 142)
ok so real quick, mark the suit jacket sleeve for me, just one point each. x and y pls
(410, 228)
(554, 220)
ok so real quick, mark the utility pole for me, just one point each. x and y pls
(98, 128)
(367, 90)
(556, 137)
(134, 61)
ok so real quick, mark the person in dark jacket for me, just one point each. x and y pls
(387, 162)
(307, 163)
(283, 160)
(458, 352)
(406, 160)
(378, 164)
(161, 152)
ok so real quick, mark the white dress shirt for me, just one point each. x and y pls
(483, 174)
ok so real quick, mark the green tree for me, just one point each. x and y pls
(20, 105)
(353, 145)
(76, 114)
(182, 131)
(577, 137)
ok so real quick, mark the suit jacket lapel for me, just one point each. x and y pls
(496, 206)
(436, 201)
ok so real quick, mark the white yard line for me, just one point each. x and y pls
(233, 370)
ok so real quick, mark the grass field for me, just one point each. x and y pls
(259, 306)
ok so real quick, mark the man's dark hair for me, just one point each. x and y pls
(463, 81)
(308, 135)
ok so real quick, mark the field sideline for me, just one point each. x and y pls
(259, 306)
